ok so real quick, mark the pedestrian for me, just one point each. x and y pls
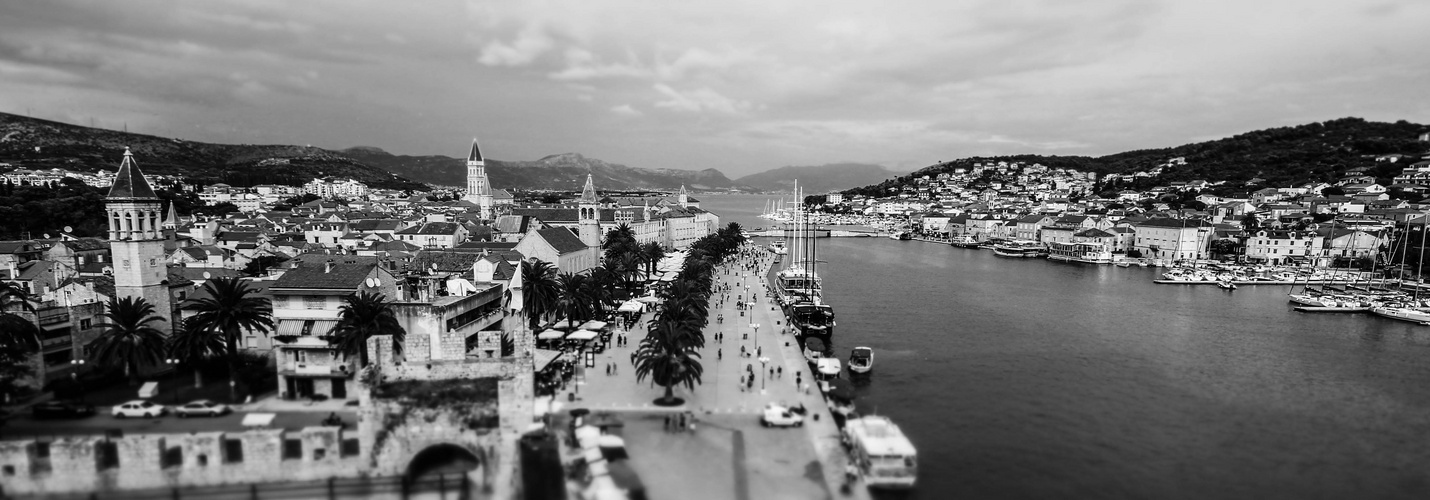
(667, 423)
(719, 354)
(781, 371)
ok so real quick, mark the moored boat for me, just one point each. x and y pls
(1020, 249)
(964, 242)
(1402, 313)
(861, 360)
(884, 456)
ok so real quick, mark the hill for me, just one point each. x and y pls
(817, 179)
(35, 144)
(556, 172)
(1321, 151)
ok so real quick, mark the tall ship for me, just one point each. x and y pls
(882, 453)
(798, 287)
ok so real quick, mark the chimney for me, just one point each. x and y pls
(328, 266)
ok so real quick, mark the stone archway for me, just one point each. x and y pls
(444, 458)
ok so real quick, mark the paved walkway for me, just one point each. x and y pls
(721, 396)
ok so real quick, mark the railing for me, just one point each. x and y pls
(457, 485)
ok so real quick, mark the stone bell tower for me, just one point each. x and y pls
(589, 216)
(136, 240)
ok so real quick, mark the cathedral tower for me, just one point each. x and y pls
(479, 191)
(589, 215)
(136, 241)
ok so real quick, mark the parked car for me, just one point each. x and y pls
(779, 416)
(139, 408)
(202, 408)
(61, 409)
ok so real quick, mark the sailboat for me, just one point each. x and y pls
(798, 287)
(1411, 310)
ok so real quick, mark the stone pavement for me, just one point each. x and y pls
(720, 395)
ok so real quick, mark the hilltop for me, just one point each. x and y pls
(817, 179)
(1321, 151)
(41, 144)
(556, 172)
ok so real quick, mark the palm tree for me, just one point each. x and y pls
(15, 330)
(669, 357)
(362, 317)
(128, 340)
(539, 290)
(628, 267)
(652, 253)
(229, 309)
(193, 344)
(599, 290)
(574, 300)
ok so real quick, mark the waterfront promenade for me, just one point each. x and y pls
(762, 462)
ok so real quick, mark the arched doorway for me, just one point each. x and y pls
(444, 459)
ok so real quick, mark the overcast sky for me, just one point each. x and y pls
(742, 86)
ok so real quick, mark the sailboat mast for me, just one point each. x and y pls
(1419, 278)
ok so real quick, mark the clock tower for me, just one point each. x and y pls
(136, 241)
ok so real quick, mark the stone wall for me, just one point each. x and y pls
(79, 464)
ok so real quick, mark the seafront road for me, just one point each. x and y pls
(803, 462)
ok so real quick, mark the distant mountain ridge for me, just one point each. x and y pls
(817, 179)
(565, 171)
(42, 144)
(1320, 151)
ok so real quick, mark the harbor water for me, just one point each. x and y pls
(1026, 378)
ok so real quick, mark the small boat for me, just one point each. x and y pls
(964, 242)
(827, 368)
(861, 360)
(1123, 263)
(777, 247)
(1226, 285)
(1402, 313)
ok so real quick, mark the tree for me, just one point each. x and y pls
(668, 356)
(229, 309)
(15, 330)
(574, 300)
(261, 264)
(364, 316)
(193, 344)
(651, 253)
(540, 290)
(129, 340)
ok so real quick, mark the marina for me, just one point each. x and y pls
(1018, 365)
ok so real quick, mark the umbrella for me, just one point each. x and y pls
(582, 335)
(610, 441)
(631, 306)
(648, 299)
(593, 325)
(550, 335)
(564, 324)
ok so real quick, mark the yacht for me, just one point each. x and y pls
(964, 242)
(777, 247)
(861, 360)
(1403, 312)
(884, 456)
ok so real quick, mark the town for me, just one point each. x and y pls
(370, 343)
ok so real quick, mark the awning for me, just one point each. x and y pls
(631, 306)
(593, 325)
(550, 335)
(544, 357)
(582, 335)
(302, 327)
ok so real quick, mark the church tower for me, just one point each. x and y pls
(683, 197)
(589, 215)
(479, 191)
(136, 241)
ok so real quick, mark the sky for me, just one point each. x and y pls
(741, 86)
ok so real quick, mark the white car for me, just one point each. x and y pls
(201, 408)
(139, 408)
(779, 416)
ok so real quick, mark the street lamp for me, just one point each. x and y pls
(74, 376)
(173, 378)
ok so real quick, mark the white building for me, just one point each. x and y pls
(1283, 247)
(1175, 239)
(331, 188)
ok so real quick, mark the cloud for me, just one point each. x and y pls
(626, 110)
(699, 100)
(525, 48)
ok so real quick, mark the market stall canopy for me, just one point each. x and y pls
(593, 325)
(631, 306)
(564, 324)
(648, 299)
(582, 335)
(550, 335)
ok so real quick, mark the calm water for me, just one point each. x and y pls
(1035, 379)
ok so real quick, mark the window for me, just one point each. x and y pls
(252, 342)
(314, 302)
(85, 324)
(300, 356)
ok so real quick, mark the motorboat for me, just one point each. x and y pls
(964, 242)
(861, 360)
(1020, 249)
(1226, 285)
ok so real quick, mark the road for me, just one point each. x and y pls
(23, 426)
